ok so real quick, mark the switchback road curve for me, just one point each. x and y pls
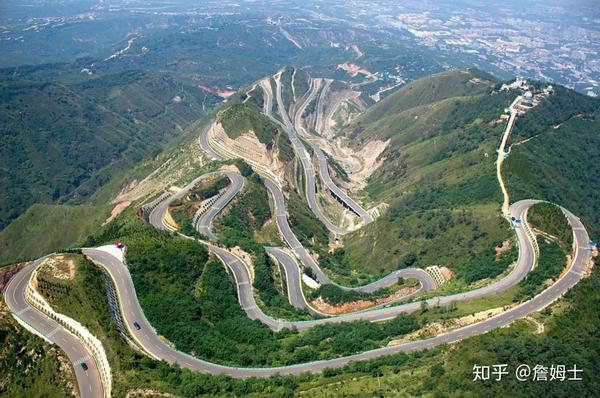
(157, 219)
(309, 171)
(88, 381)
(524, 264)
(157, 348)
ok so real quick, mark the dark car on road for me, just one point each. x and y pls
(137, 325)
(84, 366)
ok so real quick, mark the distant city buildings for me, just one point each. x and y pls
(563, 46)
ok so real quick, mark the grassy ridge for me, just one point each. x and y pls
(62, 142)
(45, 228)
(438, 179)
(560, 163)
(426, 91)
(240, 118)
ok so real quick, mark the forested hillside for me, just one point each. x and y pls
(61, 142)
(555, 155)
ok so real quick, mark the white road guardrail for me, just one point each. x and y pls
(532, 237)
(91, 342)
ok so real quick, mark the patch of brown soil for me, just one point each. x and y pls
(345, 308)
(8, 272)
(116, 211)
(446, 273)
(445, 325)
(369, 155)
(146, 392)
(225, 93)
(60, 266)
(170, 221)
(506, 245)
(353, 69)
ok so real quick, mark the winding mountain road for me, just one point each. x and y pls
(156, 347)
(88, 381)
(309, 171)
(350, 203)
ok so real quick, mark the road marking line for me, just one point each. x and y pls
(53, 332)
(24, 310)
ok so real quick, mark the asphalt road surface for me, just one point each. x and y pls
(323, 166)
(152, 344)
(147, 338)
(309, 171)
(204, 224)
(88, 381)
(157, 348)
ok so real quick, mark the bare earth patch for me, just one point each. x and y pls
(445, 325)
(446, 273)
(345, 308)
(353, 69)
(59, 266)
(170, 221)
(506, 245)
(118, 209)
(146, 392)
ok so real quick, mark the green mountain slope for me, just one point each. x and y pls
(240, 118)
(426, 91)
(438, 179)
(62, 142)
(561, 160)
(45, 228)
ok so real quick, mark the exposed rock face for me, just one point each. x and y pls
(247, 146)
